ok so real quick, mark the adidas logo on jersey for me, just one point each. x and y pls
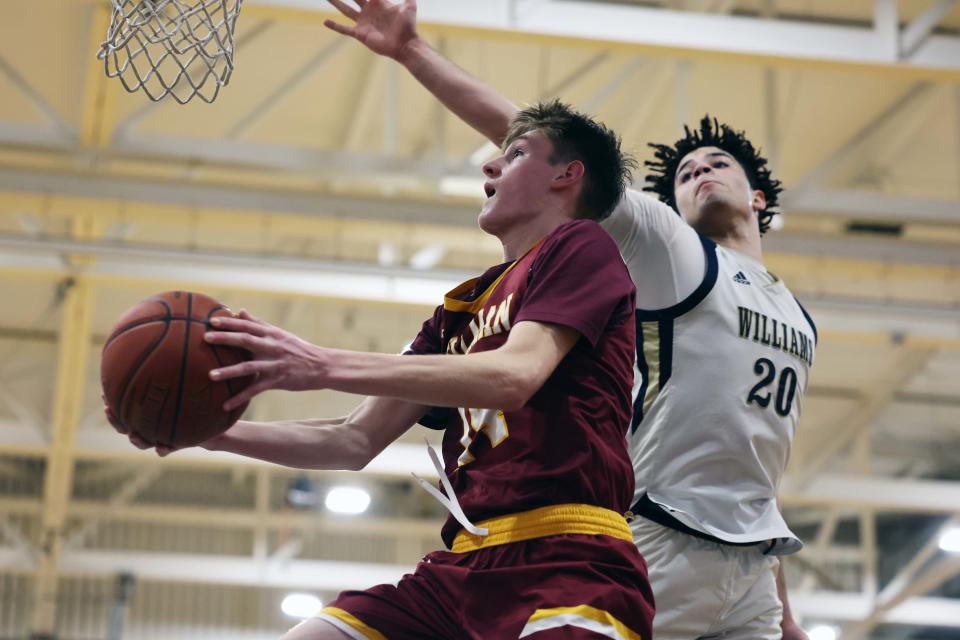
(740, 278)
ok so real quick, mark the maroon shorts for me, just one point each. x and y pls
(566, 586)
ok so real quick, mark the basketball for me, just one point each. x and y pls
(155, 368)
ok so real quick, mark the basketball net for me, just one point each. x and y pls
(182, 48)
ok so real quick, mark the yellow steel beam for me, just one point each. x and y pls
(72, 357)
(232, 518)
(434, 31)
(98, 91)
(883, 338)
(843, 435)
(251, 229)
(261, 512)
(868, 281)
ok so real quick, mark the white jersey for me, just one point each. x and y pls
(724, 352)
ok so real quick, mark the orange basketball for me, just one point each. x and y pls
(155, 368)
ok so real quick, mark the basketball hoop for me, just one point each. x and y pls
(182, 48)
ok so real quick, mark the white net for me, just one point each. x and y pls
(181, 48)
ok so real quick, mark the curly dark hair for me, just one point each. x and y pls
(576, 136)
(711, 133)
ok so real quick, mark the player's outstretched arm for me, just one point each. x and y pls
(347, 443)
(504, 378)
(390, 29)
(344, 443)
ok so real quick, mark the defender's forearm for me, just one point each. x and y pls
(473, 101)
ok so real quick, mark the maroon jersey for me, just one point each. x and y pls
(567, 444)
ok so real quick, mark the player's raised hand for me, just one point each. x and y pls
(385, 27)
(281, 360)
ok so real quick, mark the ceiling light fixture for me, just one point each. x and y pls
(823, 632)
(301, 605)
(950, 540)
(347, 500)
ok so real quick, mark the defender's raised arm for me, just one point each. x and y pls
(390, 30)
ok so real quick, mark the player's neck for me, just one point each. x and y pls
(518, 240)
(743, 239)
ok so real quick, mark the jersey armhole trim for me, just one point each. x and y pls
(816, 338)
(695, 298)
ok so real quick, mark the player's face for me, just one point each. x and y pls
(518, 185)
(712, 191)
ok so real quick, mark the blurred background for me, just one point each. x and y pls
(327, 193)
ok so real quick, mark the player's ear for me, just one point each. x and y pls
(569, 174)
(758, 201)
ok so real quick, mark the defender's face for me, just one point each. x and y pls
(711, 188)
(518, 182)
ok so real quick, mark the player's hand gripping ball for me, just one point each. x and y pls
(155, 369)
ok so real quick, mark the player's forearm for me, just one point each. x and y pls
(473, 101)
(787, 619)
(782, 592)
(489, 380)
(310, 444)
